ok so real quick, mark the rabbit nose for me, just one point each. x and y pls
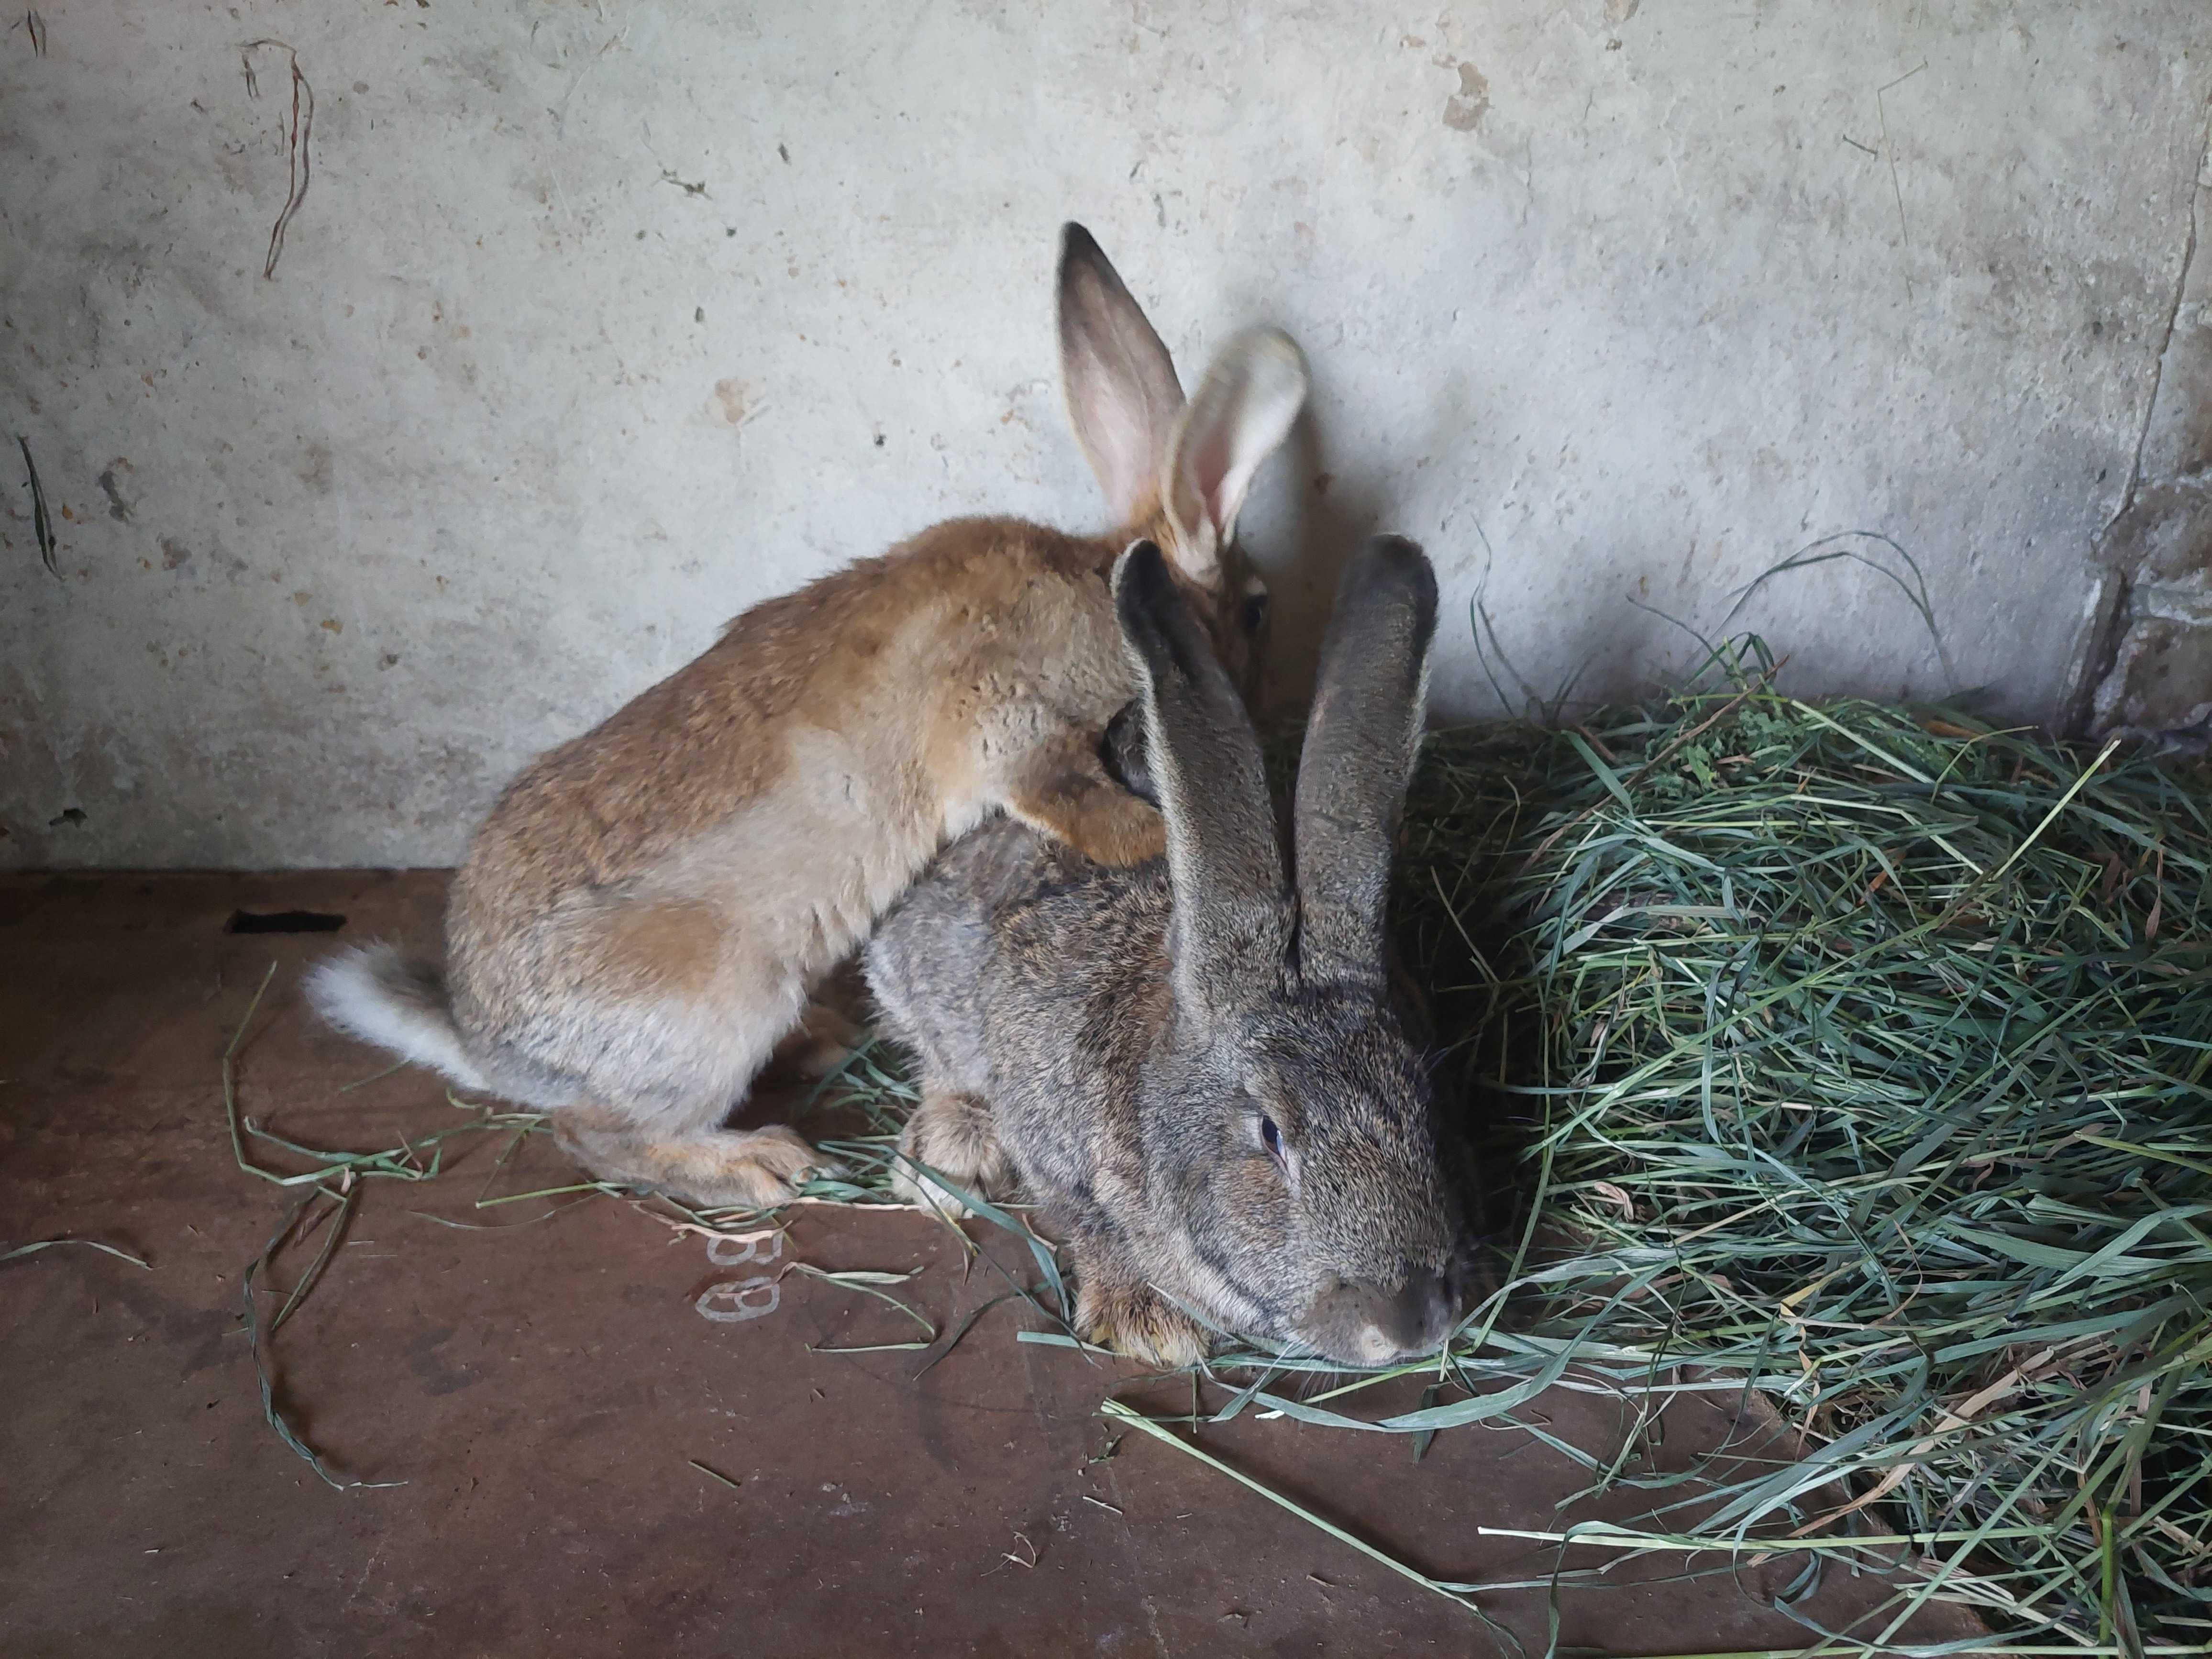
(1415, 1320)
(1365, 1324)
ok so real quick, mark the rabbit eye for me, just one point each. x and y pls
(1255, 613)
(1271, 1137)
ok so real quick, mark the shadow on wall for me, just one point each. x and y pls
(1334, 514)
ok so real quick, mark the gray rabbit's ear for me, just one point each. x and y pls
(1231, 922)
(1362, 740)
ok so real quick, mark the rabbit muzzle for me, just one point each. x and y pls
(1358, 1322)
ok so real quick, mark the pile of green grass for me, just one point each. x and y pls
(1860, 1053)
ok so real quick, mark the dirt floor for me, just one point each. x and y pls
(545, 1393)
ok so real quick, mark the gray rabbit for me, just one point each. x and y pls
(1197, 1065)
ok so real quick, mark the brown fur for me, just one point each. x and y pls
(973, 601)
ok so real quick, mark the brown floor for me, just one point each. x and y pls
(542, 1391)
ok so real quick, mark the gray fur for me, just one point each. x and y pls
(1362, 739)
(1230, 923)
(1128, 1029)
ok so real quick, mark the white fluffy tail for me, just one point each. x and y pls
(373, 993)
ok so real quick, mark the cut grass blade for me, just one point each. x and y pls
(258, 1337)
(115, 1250)
(1117, 1412)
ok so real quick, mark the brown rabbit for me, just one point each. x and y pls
(643, 916)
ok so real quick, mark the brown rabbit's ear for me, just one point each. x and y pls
(1362, 740)
(1251, 394)
(1230, 930)
(1122, 393)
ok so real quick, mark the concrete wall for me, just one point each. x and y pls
(599, 321)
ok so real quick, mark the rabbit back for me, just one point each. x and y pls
(728, 835)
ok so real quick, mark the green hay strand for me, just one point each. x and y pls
(115, 1250)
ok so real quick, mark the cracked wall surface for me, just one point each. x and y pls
(599, 322)
(2151, 663)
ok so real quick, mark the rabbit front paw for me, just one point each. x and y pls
(1063, 790)
(954, 1135)
(1138, 1321)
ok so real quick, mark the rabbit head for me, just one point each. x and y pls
(1295, 1188)
(1176, 472)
